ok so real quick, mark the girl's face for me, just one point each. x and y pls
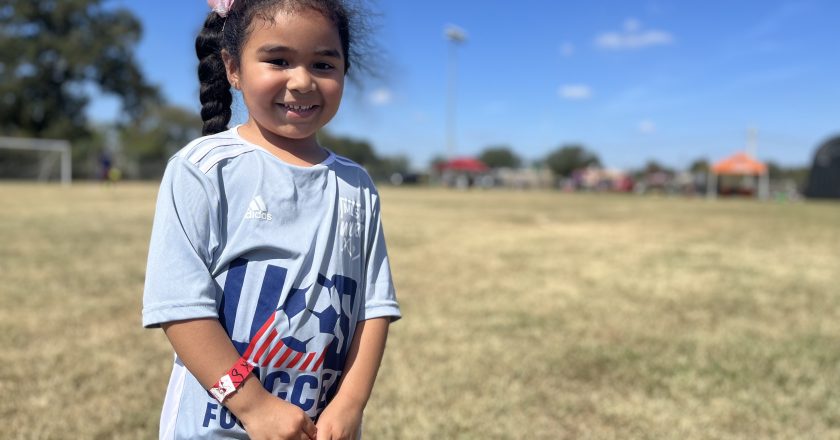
(291, 74)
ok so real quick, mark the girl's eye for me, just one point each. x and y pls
(279, 62)
(324, 66)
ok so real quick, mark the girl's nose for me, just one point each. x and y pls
(300, 80)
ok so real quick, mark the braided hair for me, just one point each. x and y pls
(230, 34)
(214, 92)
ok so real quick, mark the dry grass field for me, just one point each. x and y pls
(526, 316)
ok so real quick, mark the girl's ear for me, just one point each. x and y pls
(231, 69)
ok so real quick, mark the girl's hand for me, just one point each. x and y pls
(339, 421)
(275, 419)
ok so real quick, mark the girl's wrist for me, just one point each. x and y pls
(247, 398)
(349, 402)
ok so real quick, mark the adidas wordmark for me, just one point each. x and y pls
(257, 210)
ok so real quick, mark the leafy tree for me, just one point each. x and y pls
(500, 157)
(699, 166)
(798, 175)
(775, 170)
(437, 161)
(149, 143)
(568, 158)
(52, 52)
(387, 166)
(359, 151)
(652, 166)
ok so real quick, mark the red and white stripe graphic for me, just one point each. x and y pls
(267, 349)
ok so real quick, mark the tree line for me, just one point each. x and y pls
(54, 53)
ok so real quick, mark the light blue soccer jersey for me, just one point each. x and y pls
(288, 258)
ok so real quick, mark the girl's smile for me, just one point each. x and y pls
(295, 111)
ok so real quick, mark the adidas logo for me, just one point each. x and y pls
(257, 210)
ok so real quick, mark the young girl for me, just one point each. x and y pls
(267, 265)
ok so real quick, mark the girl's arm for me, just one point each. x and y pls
(342, 418)
(207, 352)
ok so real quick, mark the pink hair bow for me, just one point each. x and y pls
(221, 7)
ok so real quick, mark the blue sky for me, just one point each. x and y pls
(631, 80)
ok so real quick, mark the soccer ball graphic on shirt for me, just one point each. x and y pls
(304, 334)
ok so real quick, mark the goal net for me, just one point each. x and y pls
(36, 159)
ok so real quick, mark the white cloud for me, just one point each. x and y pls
(575, 91)
(567, 49)
(632, 25)
(633, 37)
(381, 96)
(647, 127)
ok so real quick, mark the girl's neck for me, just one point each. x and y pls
(300, 152)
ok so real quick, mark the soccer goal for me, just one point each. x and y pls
(48, 152)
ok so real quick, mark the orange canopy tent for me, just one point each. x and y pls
(739, 164)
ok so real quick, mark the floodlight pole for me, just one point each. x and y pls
(456, 36)
(752, 142)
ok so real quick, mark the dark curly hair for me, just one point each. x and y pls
(231, 33)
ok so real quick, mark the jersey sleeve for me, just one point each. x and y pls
(380, 296)
(179, 284)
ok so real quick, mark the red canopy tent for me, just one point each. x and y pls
(462, 172)
(739, 164)
(464, 164)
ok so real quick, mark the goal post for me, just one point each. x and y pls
(62, 147)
